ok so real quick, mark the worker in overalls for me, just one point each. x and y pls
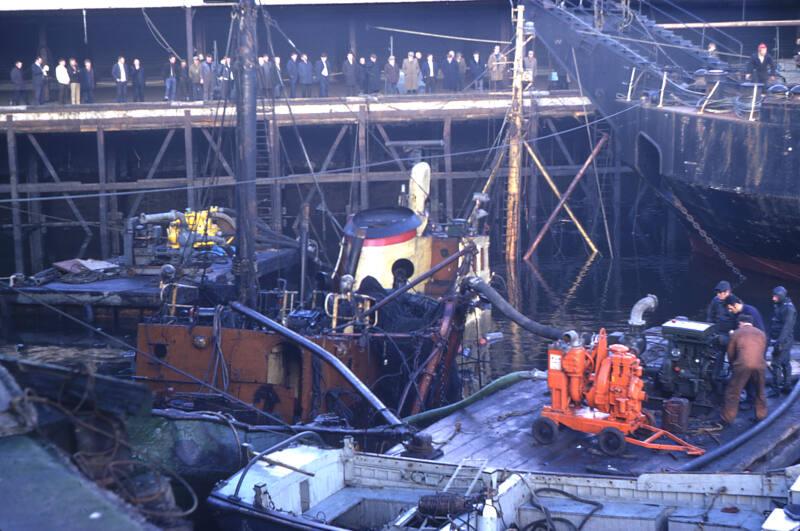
(746, 357)
(781, 335)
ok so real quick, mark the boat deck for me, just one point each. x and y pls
(498, 428)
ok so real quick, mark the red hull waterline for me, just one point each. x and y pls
(774, 268)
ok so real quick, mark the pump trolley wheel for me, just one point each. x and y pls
(544, 430)
(612, 441)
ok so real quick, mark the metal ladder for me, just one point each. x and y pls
(263, 192)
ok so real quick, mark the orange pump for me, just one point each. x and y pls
(600, 391)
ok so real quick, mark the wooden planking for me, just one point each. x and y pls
(390, 109)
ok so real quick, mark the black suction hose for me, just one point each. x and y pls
(326, 356)
(732, 445)
(478, 285)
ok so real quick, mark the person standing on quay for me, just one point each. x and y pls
(88, 82)
(18, 81)
(120, 74)
(62, 78)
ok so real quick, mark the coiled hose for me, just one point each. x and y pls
(479, 286)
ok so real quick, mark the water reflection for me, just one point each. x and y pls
(586, 294)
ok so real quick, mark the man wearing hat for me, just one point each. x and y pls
(761, 66)
(781, 334)
(717, 312)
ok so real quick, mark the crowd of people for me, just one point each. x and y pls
(744, 336)
(205, 79)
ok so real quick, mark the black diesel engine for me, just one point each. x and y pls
(692, 366)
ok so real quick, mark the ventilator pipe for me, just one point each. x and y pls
(432, 415)
(478, 285)
(161, 217)
(732, 445)
(643, 305)
(326, 356)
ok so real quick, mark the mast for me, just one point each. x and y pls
(515, 147)
(246, 206)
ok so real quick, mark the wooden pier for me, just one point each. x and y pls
(366, 118)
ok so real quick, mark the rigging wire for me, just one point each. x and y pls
(268, 23)
(157, 35)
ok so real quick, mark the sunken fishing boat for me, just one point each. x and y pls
(716, 143)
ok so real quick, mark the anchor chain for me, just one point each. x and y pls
(710, 242)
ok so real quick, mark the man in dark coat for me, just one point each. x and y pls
(262, 73)
(737, 306)
(373, 75)
(322, 71)
(170, 73)
(350, 74)
(391, 75)
(88, 82)
(429, 72)
(207, 72)
(761, 66)
(291, 72)
(184, 87)
(277, 77)
(361, 75)
(717, 312)
(305, 76)
(475, 70)
(746, 356)
(138, 79)
(781, 335)
(18, 81)
(450, 71)
(38, 80)
(121, 76)
(225, 78)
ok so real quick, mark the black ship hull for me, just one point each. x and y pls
(736, 177)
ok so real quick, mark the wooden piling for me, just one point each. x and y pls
(13, 173)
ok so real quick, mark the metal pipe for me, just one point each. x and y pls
(430, 367)
(566, 196)
(320, 352)
(273, 448)
(356, 245)
(661, 92)
(304, 226)
(645, 304)
(731, 24)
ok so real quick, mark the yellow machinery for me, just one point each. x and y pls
(200, 229)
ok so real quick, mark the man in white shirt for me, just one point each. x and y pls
(62, 78)
(120, 74)
(323, 72)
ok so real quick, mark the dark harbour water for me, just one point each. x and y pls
(586, 295)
